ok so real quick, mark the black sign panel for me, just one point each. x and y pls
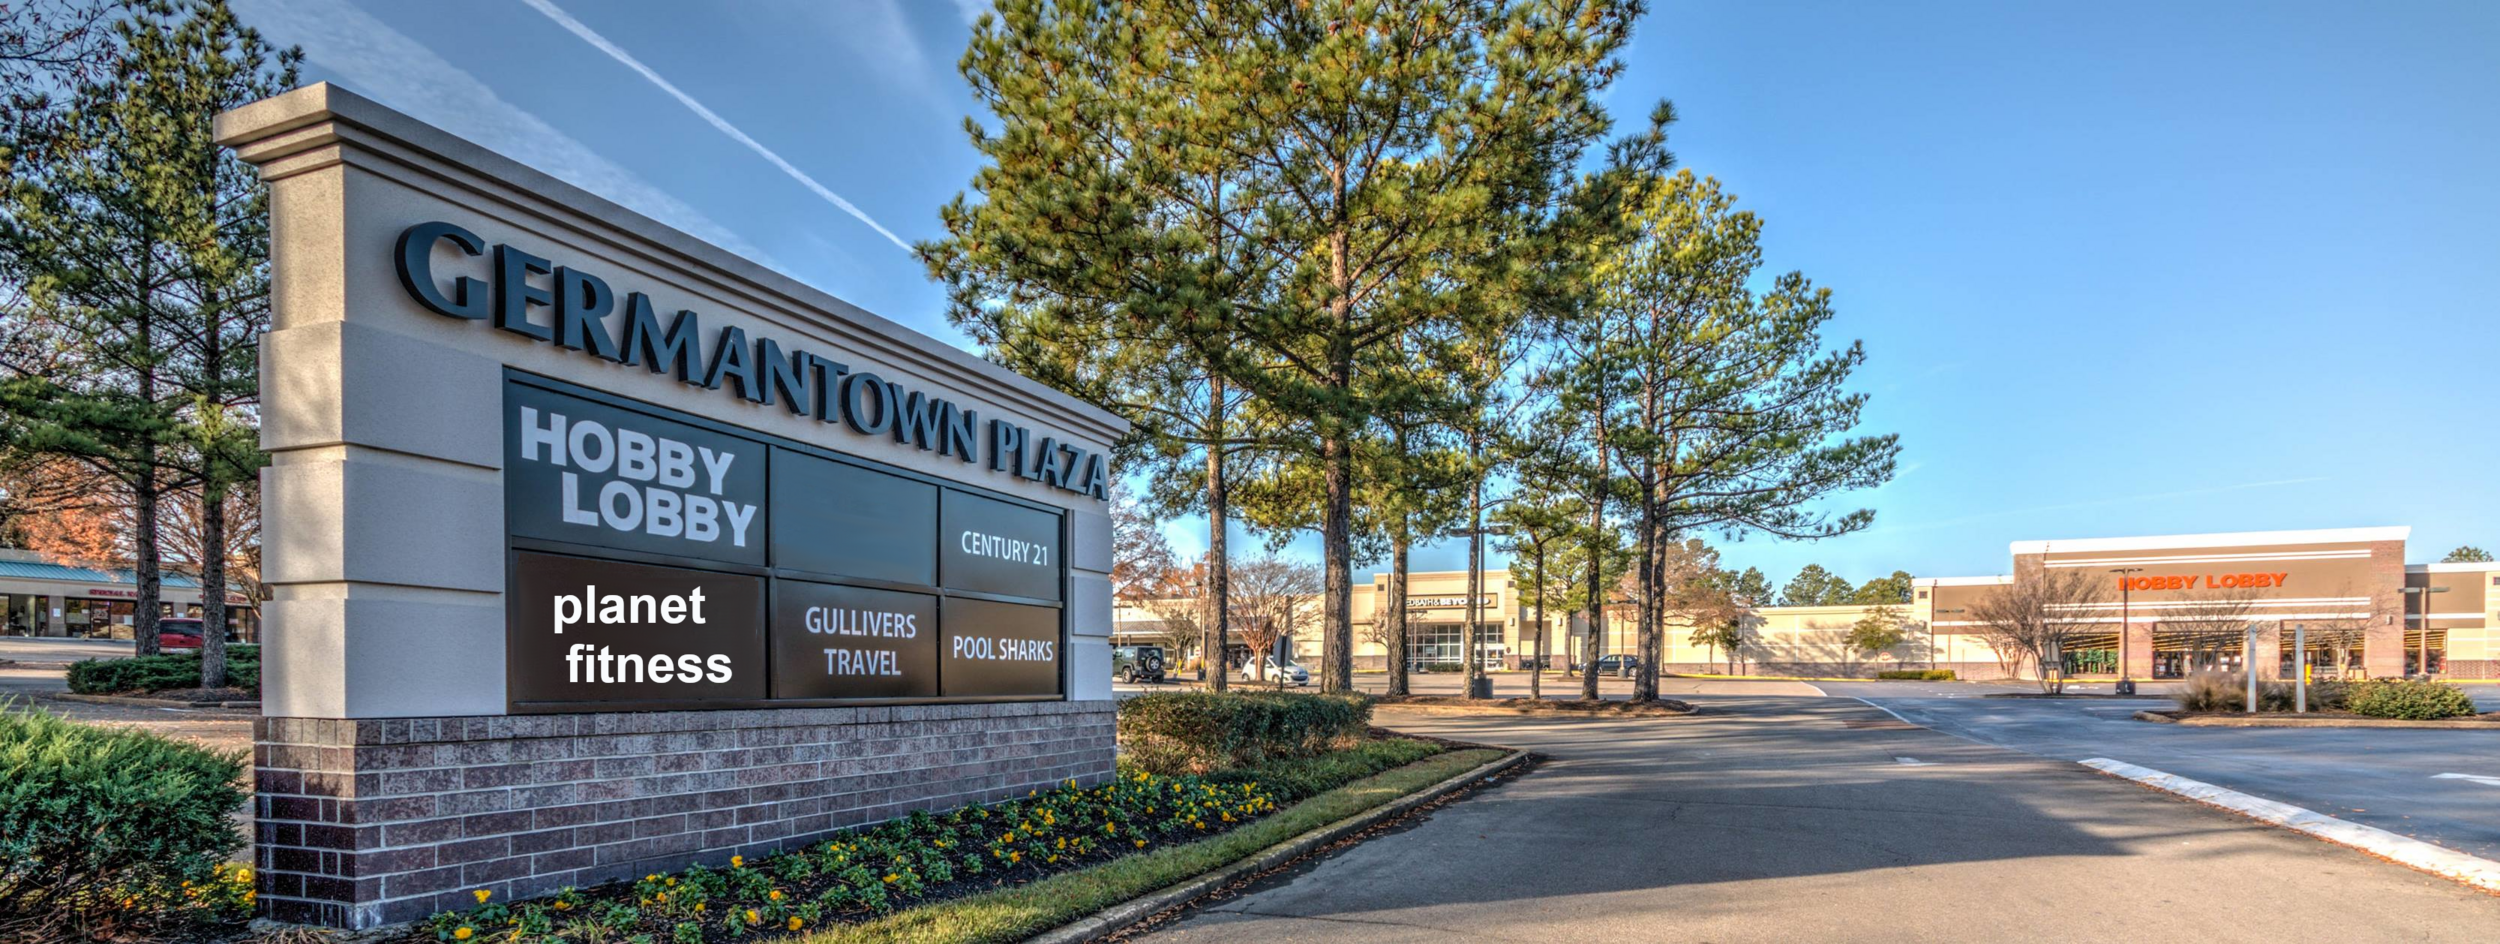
(852, 642)
(990, 546)
(835, 518)
(999, 650)
(583, 630)
(587, 473)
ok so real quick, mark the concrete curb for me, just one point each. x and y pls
(2414, 853)
(2295, 721)
(1130, 912)
(139, 702)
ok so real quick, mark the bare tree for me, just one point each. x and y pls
(2211, 623)
(2033, 617)
(1269, 595)
(2344, 635)
(1177, 598)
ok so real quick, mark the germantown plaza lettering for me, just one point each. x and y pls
(759, 371)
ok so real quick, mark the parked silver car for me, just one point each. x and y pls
(1290, 673)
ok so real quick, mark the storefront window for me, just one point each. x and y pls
(22, 614)
(1442, 647)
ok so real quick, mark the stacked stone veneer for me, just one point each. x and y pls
(376, 821)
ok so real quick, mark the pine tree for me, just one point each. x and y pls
(1814, 586)
(1537, 520)
(143, 246)
(1883, 591)
(1354, 144)
(1736, 419)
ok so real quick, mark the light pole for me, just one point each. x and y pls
(2424, 594)
(1931, 635)
(1477, 681)
(2248, 662)
(2300, 668)
(2126, 625)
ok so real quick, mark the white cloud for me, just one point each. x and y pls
(578, 28)
(377, 61)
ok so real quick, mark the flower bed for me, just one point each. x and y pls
(866, 872)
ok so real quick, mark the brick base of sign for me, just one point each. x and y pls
(363, 823)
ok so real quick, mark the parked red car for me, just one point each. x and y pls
(178, 633)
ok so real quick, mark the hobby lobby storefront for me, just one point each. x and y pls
(2167, 606)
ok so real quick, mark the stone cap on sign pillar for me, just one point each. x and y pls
(386, 539)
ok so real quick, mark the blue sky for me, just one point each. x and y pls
(2121, 268)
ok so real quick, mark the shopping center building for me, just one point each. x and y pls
(40, 596)
(2157, 607)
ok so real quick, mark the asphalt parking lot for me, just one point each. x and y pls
(1822, 819)
(2442, 786)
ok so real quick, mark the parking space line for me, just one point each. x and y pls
(1896, 716)
(2437, 860)
(2477, 778)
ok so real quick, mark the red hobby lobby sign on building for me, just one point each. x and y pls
(2210, 581)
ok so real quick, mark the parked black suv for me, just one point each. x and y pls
(1134, 664)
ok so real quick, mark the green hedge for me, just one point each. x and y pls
(1295, 778)
(102, 827)
(1917, 675)
(2409, 700)
(161, 672)
(1174, 733)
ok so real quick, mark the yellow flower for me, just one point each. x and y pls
(698, 906)
(775, 894)
(482, 895)
(462, 934)
(890, 877)
(1015, 857)
(651, 878)
(794, 923)
(661, 897)
(737, 862)
(752, 917)
(1140, 843)
(242, 875)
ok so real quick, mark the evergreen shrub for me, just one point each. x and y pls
(1176, 733)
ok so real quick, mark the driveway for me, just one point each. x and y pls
(2442, 786)
(1823, 819)
(26, 649)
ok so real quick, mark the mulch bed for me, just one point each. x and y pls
(2488, 721)
(1664, 707)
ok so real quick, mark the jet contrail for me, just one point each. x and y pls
(591, 36)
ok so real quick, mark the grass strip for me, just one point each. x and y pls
(1011, 914)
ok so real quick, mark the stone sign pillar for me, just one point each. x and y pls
(595, 549)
